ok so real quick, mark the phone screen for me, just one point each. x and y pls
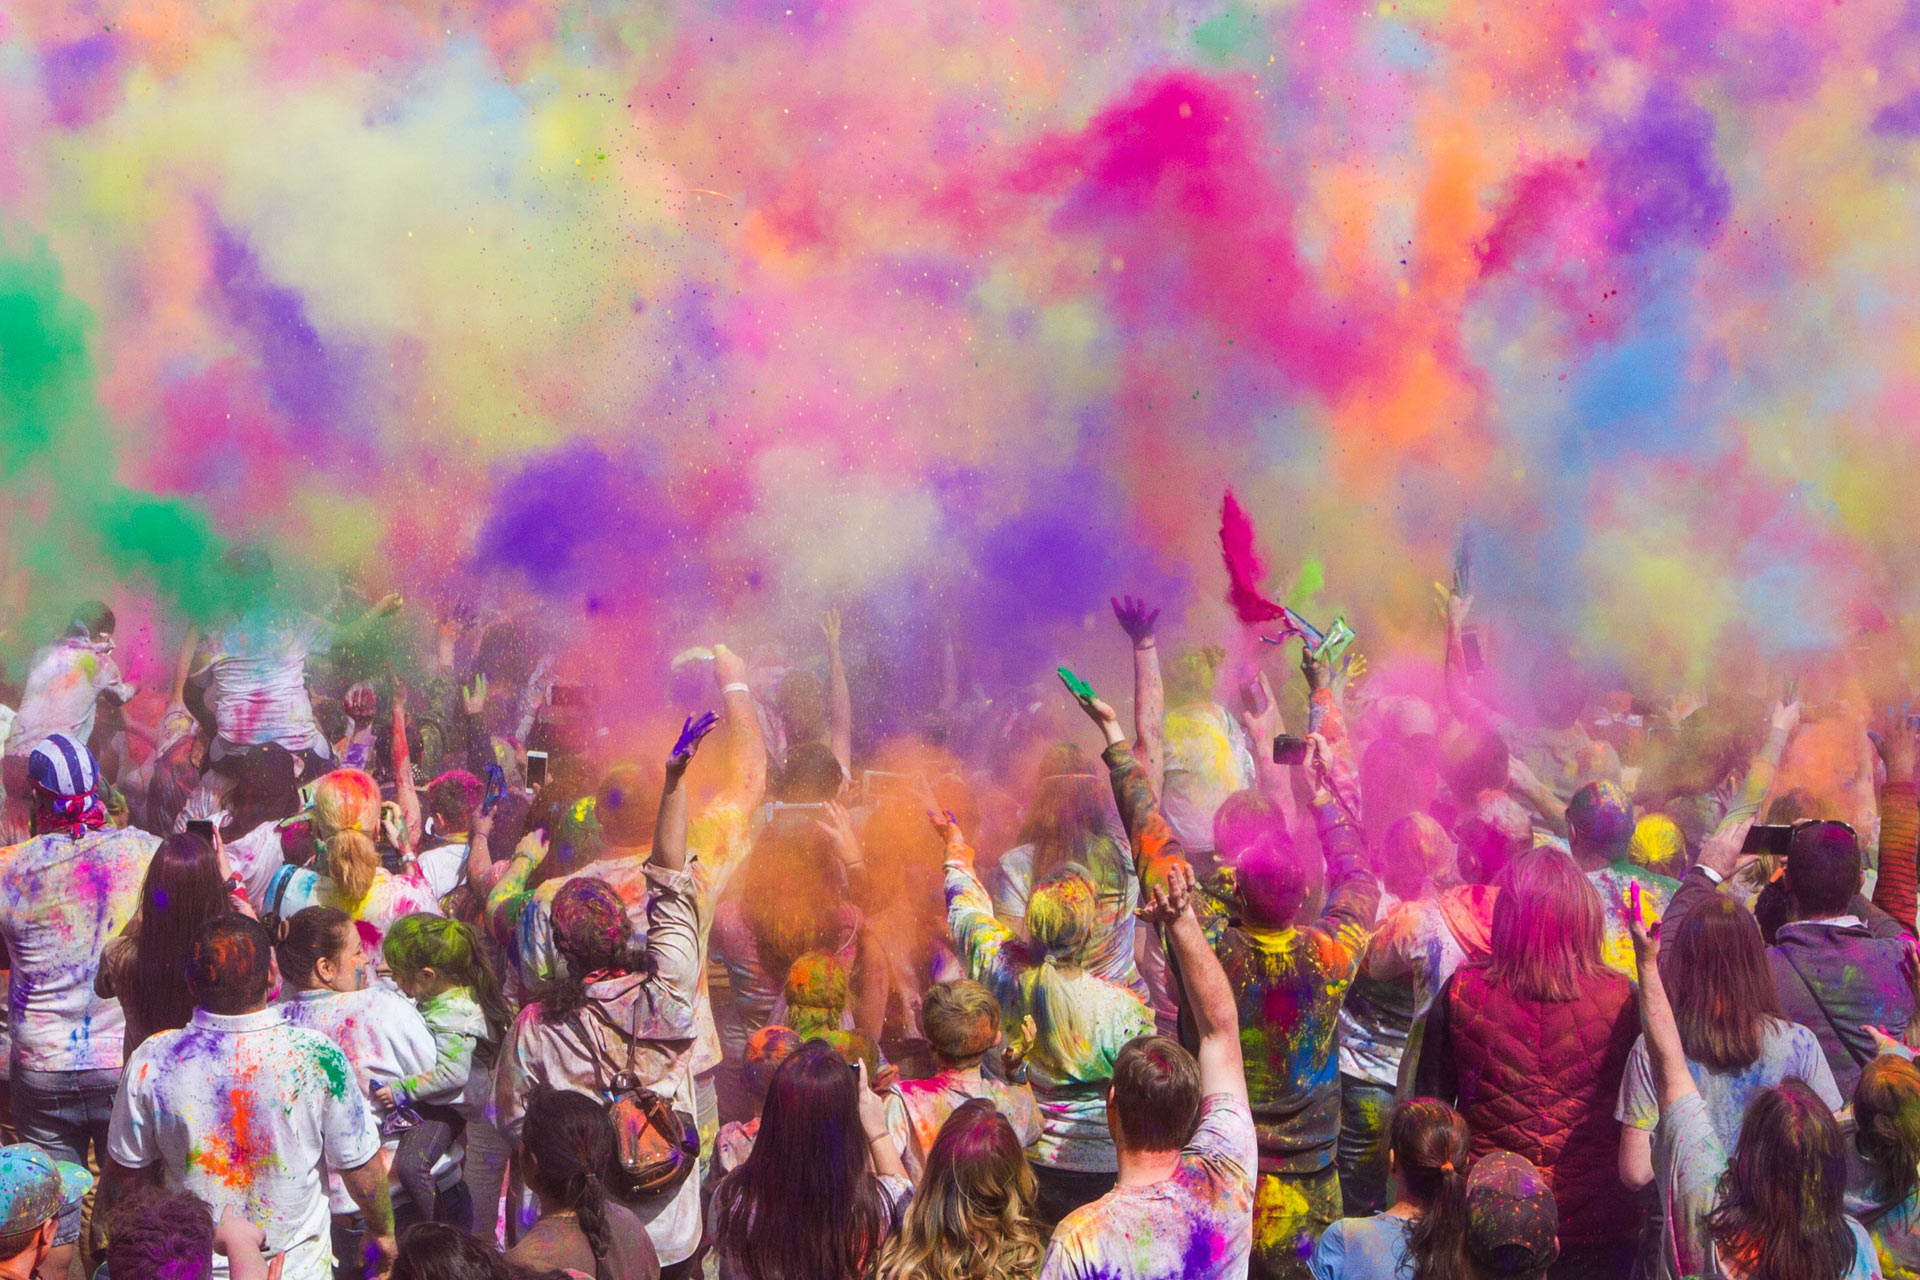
(1470, 650)
(202, 827)
(536, 768)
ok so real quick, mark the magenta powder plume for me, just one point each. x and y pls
(1244, 569)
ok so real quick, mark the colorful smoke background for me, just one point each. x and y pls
(692, 320)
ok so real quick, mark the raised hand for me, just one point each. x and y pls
(1135, 619)
(838, 826)
(1169, 900)
(360, 702)
(473, 698)
(1786, 716)
(830, 624)
(728, 667)
(1097, 711)
(691, 733)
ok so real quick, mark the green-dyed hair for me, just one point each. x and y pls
(452, 950)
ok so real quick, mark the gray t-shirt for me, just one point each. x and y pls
(1688, 1159)
(1788, 1051)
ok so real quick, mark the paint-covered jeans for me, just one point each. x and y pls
(1290, 1210)
(1362, 1150)
(65, 1113)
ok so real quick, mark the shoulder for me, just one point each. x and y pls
(1225, 1132)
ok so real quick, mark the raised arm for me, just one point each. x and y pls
(839, 701)
(404, 791)
(1353, 895)
(978, 936)
(670, 823)
(1752, 796)
(1894, 889)
(746, 751)
(1149, 696)
(1156, 850)
(1671, 1079)
(1209, 996)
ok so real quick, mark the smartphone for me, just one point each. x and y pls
(1775, 840)
(536, 769)
(570, 695)
(1289, 750)
(1470, 649)
(496, 788)
(202, 827)
(1462, 568)
(778, 807)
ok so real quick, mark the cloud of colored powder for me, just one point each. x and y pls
(689, 316)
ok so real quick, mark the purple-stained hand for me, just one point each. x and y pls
(690, 735)
(1134, 617)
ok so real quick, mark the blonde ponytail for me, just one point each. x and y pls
(346, 813)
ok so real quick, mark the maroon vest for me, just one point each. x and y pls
(1541, 1080)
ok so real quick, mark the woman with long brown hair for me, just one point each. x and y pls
(972, 1218)
(821, 1192)
(145, 965)
(1738, 1041)
(1530, 1045)
(1772, 1207)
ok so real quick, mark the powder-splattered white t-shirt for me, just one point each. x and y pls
(249, 1113)
(1195, 1225)
(61, 901)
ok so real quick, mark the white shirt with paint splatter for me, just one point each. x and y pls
(61, 901)
(248, 1112)
(63, 692)
(382, 1034)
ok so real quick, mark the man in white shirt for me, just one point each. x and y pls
(250, 1113)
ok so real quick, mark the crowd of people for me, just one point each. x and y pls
(312, 975)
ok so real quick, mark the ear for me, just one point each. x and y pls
(48, 1230)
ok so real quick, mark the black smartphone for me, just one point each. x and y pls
(202, 827)
(1470, 650)
(536, 769)
(1775, 840)
(1289, 750)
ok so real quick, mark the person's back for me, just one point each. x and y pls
(1531, 1046)
(64, 894)
(962, 1024)
(66, 681)
(258, 665)
(1194, 1223)
(248, 1112)
(1834, 976)
(1183, 1204)
(1289, 983)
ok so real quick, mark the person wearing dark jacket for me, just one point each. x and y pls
(1530, 1045)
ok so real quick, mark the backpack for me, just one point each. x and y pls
(654, 1146)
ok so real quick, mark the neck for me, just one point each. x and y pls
(1404, 1206)
(1144, 1168)
(22, 1267)
(970, 1074)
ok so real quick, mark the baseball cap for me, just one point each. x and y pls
(34, 1187)
(1512, 1223)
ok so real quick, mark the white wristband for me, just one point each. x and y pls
(736, 687)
